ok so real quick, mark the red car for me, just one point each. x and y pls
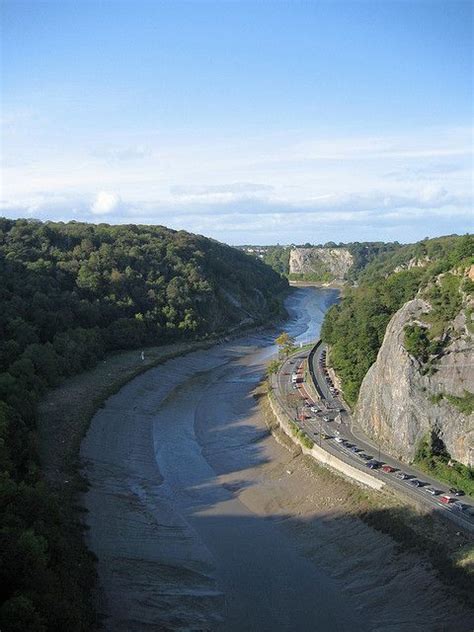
(388, 469)
(446, 499)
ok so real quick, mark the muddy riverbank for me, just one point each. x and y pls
(202, 521)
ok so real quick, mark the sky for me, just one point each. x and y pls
(250, 122)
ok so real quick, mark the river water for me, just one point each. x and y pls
(190, 498)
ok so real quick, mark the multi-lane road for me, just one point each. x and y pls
(319, 411)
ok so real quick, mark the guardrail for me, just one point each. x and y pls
(319, 453)
(311, 368)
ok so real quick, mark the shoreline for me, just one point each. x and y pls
(332, 285)
(62, 426)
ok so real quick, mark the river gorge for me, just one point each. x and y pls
(202, 521)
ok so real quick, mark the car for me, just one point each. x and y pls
(446, 500)
(314, 409)
(354, 449)
(415, 482)
(388, 469)
(373, 465)
(402, 476)
(432, 491)
(365, 456)
(326, 436)
(339, 440)
(325, 418)
(456, 492)
(459, 506)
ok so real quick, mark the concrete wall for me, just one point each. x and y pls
(322, 455)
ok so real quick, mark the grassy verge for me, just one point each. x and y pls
(302, 437)
(432, 457)
(456, 475)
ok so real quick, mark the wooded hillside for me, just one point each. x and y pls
(356, 326)
(69, 294)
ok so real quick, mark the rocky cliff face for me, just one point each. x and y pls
(333, 263)
(397, 402)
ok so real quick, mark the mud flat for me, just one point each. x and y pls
(202, 521)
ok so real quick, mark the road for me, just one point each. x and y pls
(332, 423)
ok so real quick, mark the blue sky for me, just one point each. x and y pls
(257, 121)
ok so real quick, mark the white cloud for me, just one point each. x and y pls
(122, 154)
(270, 188)
(234, 188)
(105, 203)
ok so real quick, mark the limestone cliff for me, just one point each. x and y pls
(328, 264)
(400, 402)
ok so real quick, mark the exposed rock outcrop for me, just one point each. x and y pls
(398, 404)
(334, 263)
(413, 263)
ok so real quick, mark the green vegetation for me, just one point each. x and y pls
(446, 300)
(285, 343)
(426, 343)
(303, 438)
(278, 258)
(436, 398)
(433, 256)
(273, 367)
(465, 404)
(71, 293)
(365, 252)
(432, 458)
(356, 326)
(313, 277)
(417, 342)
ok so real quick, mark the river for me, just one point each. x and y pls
(191, 501)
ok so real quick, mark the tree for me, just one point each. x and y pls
(285, 343)
(273, 367)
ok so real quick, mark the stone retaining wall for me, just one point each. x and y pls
(322, 455)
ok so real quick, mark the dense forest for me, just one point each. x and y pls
(356, 326)
(69, 294)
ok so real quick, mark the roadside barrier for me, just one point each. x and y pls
(320, 454)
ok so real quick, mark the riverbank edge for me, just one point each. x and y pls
(331, 285)
(319, 454)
